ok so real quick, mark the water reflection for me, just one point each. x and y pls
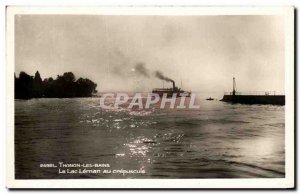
(218, 141)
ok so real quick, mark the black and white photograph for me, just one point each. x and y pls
(169, 95)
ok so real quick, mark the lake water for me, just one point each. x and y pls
(219, 140)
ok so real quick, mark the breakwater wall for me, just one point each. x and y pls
(255, 99)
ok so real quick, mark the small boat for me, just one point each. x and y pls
(210, 98)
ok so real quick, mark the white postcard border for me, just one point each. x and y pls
(287, 182)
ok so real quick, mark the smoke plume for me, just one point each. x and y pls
(141, 69)
(160, 75)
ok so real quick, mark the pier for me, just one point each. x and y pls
(253, 97)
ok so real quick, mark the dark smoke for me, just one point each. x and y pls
(141, 69)
(160, 75)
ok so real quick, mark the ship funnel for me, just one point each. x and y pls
(173, 85)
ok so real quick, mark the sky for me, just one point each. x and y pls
(203, 53)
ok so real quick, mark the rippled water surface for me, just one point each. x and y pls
(219, 140)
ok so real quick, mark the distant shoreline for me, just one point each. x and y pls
(64, 86)
(56, 98)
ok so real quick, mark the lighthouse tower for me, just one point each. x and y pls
(233, 87)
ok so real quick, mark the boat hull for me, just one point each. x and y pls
(170, 94)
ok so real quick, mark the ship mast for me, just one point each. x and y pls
(181, 82)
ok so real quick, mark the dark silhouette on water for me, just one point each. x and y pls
(169, 91)
(64, 86)
(265, 97)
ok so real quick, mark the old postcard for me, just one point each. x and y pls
(150, 97)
